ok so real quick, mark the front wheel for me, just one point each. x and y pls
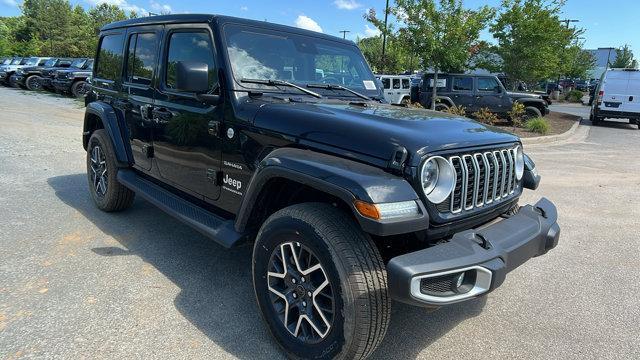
(33, 82)
(320, 283)
(531, 112)
(79, 89)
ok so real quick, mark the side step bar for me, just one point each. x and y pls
(206, 222)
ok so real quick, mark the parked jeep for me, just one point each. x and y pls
(73, 80)
(32, 61)
(6, 70)
(479, 91)
(30, 77)
(48, 74)
(349, 202)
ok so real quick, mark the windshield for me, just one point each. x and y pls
(78, 63)
(50, 63)
(89, 64)
(6, 62)
(16, 61)
(32, 61)
(275, 55)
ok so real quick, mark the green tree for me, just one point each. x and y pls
(398, 49)
(104, 14)
(531, 38)
(443, 32)
(576, 62)
(624, 57)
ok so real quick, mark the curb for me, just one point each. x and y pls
(552, 138)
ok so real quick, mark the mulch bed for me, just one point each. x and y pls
(559, 123)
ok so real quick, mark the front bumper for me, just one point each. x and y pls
(16, 79)
(47, 82)
(484, 255)
(62, 85)
(4, 77)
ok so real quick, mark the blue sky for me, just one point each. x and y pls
(608, 24)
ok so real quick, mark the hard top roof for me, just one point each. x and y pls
(219, 19)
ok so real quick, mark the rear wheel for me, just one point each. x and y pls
(13, 83)
(320, 283)
(102, 170)
(33, 82)
(442, 107)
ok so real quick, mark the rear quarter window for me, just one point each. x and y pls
(109, 62)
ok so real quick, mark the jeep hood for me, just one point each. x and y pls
(377, 130)
(520, 95)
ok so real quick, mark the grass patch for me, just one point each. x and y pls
(538, 125)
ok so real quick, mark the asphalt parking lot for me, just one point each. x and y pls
(79, 283)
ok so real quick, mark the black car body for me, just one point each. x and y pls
(73, 80)
(48, 74)
(475, 92)
(34, 73)
(278, 136)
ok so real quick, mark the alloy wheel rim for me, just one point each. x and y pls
(34, 84)
(99, 171)
(300, 292)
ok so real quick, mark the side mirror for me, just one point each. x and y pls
(497, 89)
(192, 77)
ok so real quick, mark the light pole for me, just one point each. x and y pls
(384, 34)
(344, 33)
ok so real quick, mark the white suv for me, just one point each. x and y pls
(617, 96)
(397, 88)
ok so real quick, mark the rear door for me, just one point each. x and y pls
(616, 91)
(187, 143)
(462, 92)
(138, 90)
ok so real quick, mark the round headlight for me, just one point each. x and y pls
(437, 177)
(519, 162)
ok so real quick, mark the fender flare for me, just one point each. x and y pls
(113, 125)
(540, 104)
(446, 100)
(345, 179)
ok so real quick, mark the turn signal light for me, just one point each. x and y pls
(387, 210)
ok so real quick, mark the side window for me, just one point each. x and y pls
(462, 84)
(141, 58)
(386, 83)
(42, 62)
(110, 58)
(487, 84)
(406, 84)
(189, 47)
(396, 83)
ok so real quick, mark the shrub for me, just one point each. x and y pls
(457, 110)
(538, 125)
(574, 96)
(485, 116)
(516, 114)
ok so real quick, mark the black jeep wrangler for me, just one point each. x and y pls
(74, 79)
(48, 74)
(277, 136)
(474, 92)
(31, 77)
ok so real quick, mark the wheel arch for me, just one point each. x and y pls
(536, 103)
(311, 176)
(100, 115)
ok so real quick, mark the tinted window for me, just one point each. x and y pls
(396, 83)
(463, 84)
(487, 84)
(110, 58)
(386, 83)
(405, 84)
(141, 58)
(189, 47)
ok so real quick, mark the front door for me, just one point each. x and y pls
(138, 90)
(187, 145)
(491, 95)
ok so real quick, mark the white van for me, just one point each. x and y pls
(617, 96)
(397, 88)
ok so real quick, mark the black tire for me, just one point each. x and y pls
(349, 261)
(78, 89)
(442, 107)
(33, 83)
(531, 112)
(109, 195)
(13, 83)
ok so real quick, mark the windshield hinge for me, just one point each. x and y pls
(398, 158)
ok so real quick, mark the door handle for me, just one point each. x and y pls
(630, 98)
(213, 128)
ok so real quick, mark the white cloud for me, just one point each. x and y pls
(305, 22)
(347, 4)
(244, 8)
(160, 8)
(370, 31)
(122, 4)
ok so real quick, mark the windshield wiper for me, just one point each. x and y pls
(281, 83)
(338, 87)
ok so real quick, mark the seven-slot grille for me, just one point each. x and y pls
(482, 178)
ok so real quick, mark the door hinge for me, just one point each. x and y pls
(212, 175)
